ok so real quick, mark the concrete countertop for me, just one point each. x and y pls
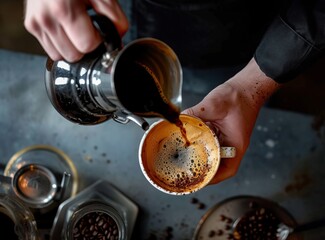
(285, 161)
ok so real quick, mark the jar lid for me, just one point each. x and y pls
(35, 184)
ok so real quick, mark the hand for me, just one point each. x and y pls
(231, 109)
(64, 28)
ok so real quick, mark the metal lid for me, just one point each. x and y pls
(35, 185)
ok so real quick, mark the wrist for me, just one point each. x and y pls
(255, 87)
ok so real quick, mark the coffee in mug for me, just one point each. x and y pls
(181, 159)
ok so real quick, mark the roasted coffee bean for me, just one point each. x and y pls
(212, 233)
(96, 226)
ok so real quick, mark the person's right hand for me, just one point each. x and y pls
(65, 30)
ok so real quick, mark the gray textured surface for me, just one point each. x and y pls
(285, 161)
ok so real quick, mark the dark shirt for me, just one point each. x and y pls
(283, 36)
(294, 40)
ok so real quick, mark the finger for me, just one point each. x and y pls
(227, 169)
(43, 39)
(113, 10)
(221, 175)
(205, 111)
(55, 39)
(34, 26)
(63, 44)
(48, 46)
(214, 129)
(81, 32)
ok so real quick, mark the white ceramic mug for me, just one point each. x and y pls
(177, 168)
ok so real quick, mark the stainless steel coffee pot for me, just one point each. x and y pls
(106, 84)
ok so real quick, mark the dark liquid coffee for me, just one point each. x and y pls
(144, 95)
(175, 165)
(140, 92)
(181, 127)
(7, 227)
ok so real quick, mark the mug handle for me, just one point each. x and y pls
(107, 30)
(227, 152)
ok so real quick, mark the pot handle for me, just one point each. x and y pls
(107, 30)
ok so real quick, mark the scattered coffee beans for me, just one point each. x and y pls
(96, 226)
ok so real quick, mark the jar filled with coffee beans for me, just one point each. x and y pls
(96, 220)
(99, 212)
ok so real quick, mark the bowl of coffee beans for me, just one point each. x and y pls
(244, 218)
(96, 221)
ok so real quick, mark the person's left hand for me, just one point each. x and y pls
(231, 110)
(231, 119)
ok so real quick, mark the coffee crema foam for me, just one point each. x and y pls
(180, 167)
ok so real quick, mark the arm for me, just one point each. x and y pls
(64, 28)
(294, 40)
(232, 108)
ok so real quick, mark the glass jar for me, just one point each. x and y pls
(98, 205)
(17, 222)
(96, 219)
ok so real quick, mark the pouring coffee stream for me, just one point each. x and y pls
(152, 101)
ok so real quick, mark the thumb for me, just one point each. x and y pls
(202, 110)
(113, 10)
(194, 110)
